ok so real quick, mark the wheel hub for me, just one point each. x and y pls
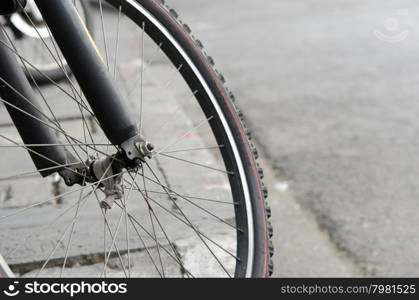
(137, 148)
(108, 170)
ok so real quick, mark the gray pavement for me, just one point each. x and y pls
(303, 249)
(329, 89)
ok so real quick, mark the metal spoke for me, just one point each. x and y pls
(110, 232)
(142, 79)
(200, 207)
(51, 81)
(27, 174)
(158, 221)
(103, 33)
(74, 220)
(74, 90)
(193, 227)
(60, 130)
(176, 72)
(171, 117)
(144, 244)
(176, 259)
(152, 223)
(194, 149)
(104, 216)
(127, 232)
(104, 238)
(61, 66)
(146, 66)
(43, 122)
(196, 164)
(192, 197)
(117, 229)
(39, 34)
(166, 189)
(53, 199)
(47, 226)
(54, 145)
(184, 135)
(117, 42)
(43, 156)
(39, 120)
(188, 225)
(71, 234)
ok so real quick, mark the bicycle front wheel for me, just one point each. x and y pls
(196, 209)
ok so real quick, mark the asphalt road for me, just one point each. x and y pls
(330, 91)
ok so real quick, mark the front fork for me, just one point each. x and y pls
(89, 69)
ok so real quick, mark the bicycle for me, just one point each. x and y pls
(160, 174)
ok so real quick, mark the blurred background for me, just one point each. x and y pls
(330, 91)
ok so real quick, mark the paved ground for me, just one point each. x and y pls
(303, 249)
(330, 90)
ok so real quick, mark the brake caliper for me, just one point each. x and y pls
(107, 171)
(110, 177)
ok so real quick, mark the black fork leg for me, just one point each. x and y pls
(89, 69)
(25, 111)
(92, 75)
